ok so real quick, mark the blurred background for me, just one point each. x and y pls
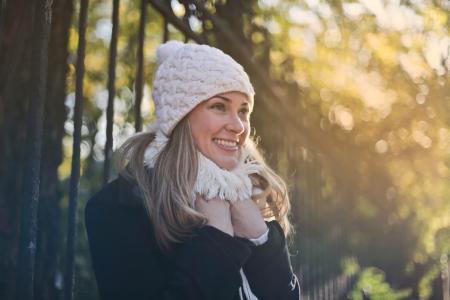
(352, 109)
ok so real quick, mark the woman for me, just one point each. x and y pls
(195, 213)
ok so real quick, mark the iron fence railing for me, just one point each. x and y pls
(335, 287)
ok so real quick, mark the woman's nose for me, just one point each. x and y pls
(235, 124)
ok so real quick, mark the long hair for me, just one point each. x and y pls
(167, 188)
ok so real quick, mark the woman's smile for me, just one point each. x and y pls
(226, 145)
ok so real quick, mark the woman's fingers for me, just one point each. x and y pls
(247, 219)
(217, 212)
(241, 218)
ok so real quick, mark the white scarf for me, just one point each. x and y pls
(213, 181)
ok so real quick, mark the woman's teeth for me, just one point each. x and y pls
(225, 142)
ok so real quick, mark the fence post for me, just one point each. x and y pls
(30, 198)
(111, 91)
(140, 68)
(75, 172)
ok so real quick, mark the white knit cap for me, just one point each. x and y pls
(189, 74)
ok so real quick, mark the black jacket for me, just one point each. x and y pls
(128, 264)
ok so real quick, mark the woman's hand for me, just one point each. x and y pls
(217, 211)
(247, 219)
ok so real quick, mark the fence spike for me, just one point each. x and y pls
(111, 91)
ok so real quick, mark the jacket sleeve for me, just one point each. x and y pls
(205, 267)
(212, 260)
(269, 269)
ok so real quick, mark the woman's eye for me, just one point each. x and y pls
(218, 106)
(244, 111)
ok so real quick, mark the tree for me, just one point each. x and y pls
(15, 51)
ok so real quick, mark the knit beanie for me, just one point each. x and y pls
(189, 74)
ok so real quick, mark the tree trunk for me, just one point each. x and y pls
(16, 29)
(15, 50)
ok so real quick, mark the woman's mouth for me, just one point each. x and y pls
(227, 145)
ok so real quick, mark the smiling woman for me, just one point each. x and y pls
(196, 213)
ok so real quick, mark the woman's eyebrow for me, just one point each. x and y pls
(223, 98)
(229, 100)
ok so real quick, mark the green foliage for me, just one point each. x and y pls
(425, 284)
(350, 266)
(375, 83)
(372, 282)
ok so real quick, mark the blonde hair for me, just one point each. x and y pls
(173, 177)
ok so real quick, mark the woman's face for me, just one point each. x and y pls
(220, 126)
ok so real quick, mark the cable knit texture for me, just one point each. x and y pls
(189, 74)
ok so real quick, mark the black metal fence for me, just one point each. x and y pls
(316, 282)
